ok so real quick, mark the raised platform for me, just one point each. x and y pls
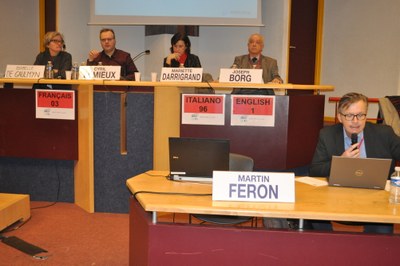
(13, 207)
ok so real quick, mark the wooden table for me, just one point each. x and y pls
(154, 243)
(13, 208)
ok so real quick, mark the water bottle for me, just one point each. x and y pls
(395, 186)
(49, 71)
(75, 71)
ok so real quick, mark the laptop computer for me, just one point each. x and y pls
(359, 172)
(195, 159)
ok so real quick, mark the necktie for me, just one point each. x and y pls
(254, 60)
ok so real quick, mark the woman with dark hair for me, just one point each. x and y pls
(180, 53)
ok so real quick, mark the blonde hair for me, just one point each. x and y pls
(50, 36)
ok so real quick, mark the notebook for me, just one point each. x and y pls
(195, 159)
(359, 172)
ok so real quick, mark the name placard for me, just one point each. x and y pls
(253, 186)
(55, 104)
(235, 75)
(203, 109)
(100, 72)
(181, 74)
(24, 71)
(253, 110)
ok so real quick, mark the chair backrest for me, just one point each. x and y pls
(238, 162)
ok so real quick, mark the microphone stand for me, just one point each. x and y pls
(136, 57)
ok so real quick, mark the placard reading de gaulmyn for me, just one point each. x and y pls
(55, 104)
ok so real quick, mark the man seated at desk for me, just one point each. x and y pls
(374, 141)
(255, 59)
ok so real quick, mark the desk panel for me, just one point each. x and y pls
(22, 135)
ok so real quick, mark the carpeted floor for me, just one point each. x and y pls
(71, 236)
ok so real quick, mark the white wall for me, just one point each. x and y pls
(361, 49)
(360, 42)
(19, 20)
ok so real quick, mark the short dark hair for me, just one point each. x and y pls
(180, 37)
(105, 30)
(350, 98)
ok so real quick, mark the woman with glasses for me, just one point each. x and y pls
(373, 140)
(54, 51)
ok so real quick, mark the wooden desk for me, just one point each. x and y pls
(13, 208)
(187, 244)
(166, 122)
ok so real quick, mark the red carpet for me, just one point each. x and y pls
(71, 236)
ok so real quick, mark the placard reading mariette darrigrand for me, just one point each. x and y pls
(55, 104)
(24, 71)
(253, 110)
(100, 72)
(253, 186)
(181, 74)
(203, 109)
(236, 75)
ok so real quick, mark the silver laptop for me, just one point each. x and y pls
(359, 172)
(195, 159)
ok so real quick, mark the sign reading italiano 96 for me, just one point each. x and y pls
(203, 109)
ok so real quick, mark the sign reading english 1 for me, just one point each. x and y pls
(181, 74)
(253, 186)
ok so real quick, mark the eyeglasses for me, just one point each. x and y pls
(350, 117)
(107, 40)
(57, 41)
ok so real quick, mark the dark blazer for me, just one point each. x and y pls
(191, 61)
(380, 142)
(61, 62)
(118, 58)
(268, 65)
(270, 72)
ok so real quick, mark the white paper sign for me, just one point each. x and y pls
(24, 71)
(100, 72)
(253, 186)
(203, 109)
(253, 110)
(181, 74)
(236, 75)
(55, 104)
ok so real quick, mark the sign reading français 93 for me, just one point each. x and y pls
(55, 104)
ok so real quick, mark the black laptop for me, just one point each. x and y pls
(359, 172)
(195, 159)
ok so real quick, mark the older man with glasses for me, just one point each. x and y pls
(373, 141)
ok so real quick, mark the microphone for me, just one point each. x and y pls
(136, 57)
(354, 139)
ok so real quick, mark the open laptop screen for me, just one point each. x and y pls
(359, 172)
(197, 157)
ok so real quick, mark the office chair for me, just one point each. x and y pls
(237, 162)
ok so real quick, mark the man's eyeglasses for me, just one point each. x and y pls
(107, 40)
(350, 117)
(57, 41)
